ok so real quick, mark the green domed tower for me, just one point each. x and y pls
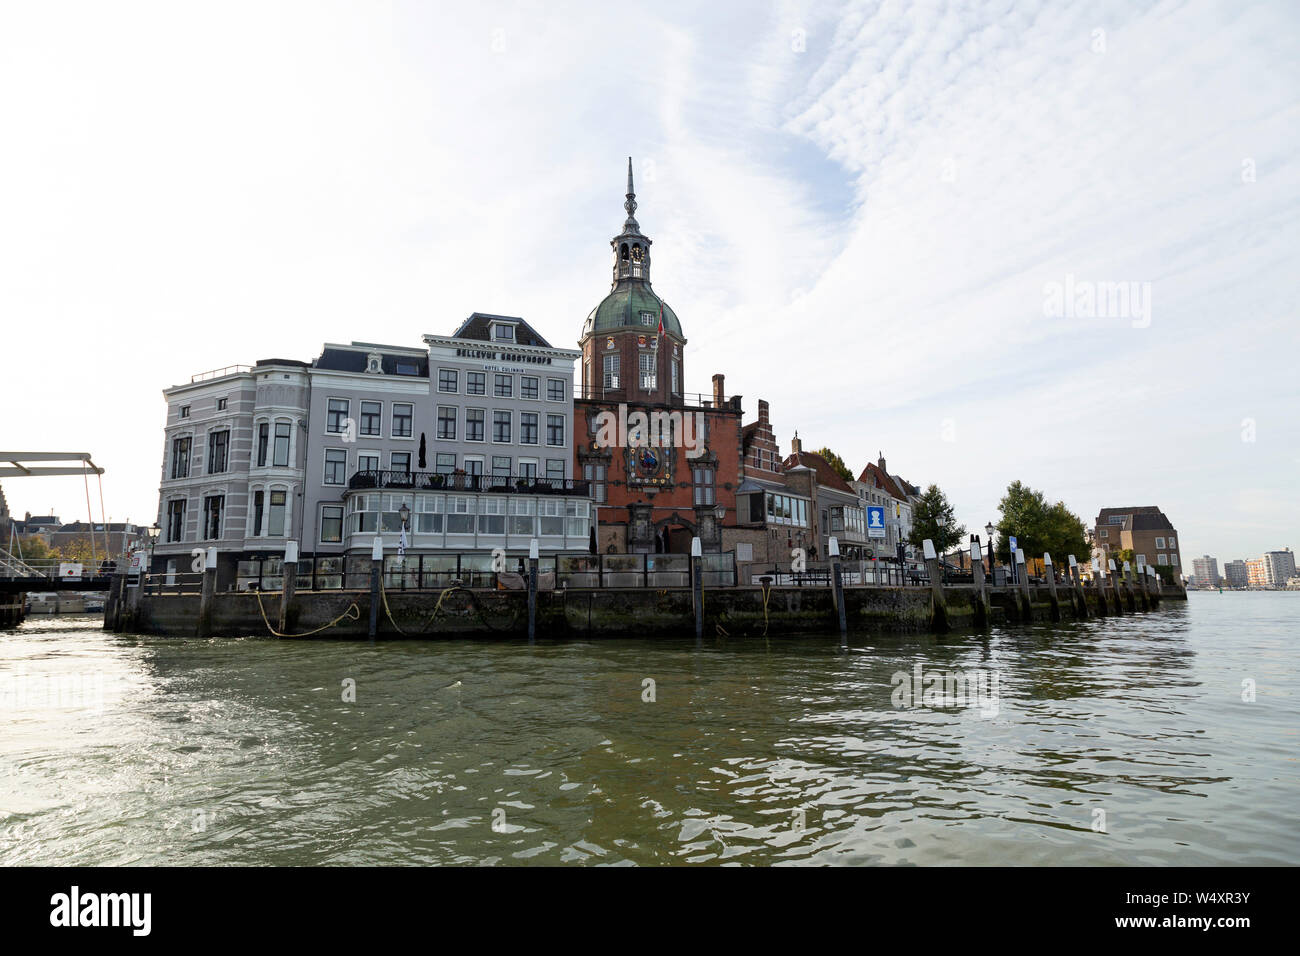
(624, 356)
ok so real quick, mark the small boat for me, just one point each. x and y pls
(53, 602)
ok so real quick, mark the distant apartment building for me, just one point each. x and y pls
(1256, 573)
(1279, 567)
(466, 445)
(1205, 571)
(1234, 573)
(1144, 530)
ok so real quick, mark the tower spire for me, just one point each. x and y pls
(629, 203)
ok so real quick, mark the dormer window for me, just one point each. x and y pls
(407, 368)
(502, 332)
(648, 318)
(374, 364)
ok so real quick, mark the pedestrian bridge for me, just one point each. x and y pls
(18, 576)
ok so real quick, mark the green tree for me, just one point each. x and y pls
(1039, 526)
(933, 518)
(33, 548)
(836, 462)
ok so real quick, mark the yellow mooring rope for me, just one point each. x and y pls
(348, 614)
(383, 592)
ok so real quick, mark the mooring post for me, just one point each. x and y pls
(1077, 597)
(532, 590)
(376, 569)
(111, 602)
(837, 586)
(940, 618)
(288, 583)
(1126, 576)
(697, 586)
(1114, 585)
(1099, 581)
(1022, 581)
(981, 594)
(207, 593)
(1050, 573)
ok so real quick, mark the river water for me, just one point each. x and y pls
(1119, 741)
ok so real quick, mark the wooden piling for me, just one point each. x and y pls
(982, 616)
(207, 593)
(288, 583)
(939, 604)
(1022, 585)
(376, 569)
(697, 587)
(837, 586)
(532, 590)
(1050, 574)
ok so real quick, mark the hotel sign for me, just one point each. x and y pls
(503, 357)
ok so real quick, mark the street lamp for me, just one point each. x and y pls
(404, 512)
(989, 530)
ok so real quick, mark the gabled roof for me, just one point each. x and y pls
(826, 475)
(876, 477)
(478, 328)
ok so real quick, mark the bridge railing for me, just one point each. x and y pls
(12, 566)
(174, 582)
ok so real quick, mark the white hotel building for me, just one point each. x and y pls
(470, 438)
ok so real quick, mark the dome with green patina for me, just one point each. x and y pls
(623, 307)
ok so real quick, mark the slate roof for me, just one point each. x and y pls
(1156, 522)
(477, 327)
(353, 359)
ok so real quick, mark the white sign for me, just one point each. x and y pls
(875, 521)
(69, 571)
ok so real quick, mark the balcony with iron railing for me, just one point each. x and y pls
(459, 481)
(623, 389)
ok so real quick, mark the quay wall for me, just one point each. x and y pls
(595, 613)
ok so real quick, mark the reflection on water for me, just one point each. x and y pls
(117, 749)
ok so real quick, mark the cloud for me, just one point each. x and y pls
(855, 210)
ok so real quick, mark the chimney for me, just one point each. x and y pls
(718, 391)
(762, 411)
(881, 463)
(796, 446)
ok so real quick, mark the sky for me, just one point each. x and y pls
(886, 219)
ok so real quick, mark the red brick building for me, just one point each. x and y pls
(664, 464)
